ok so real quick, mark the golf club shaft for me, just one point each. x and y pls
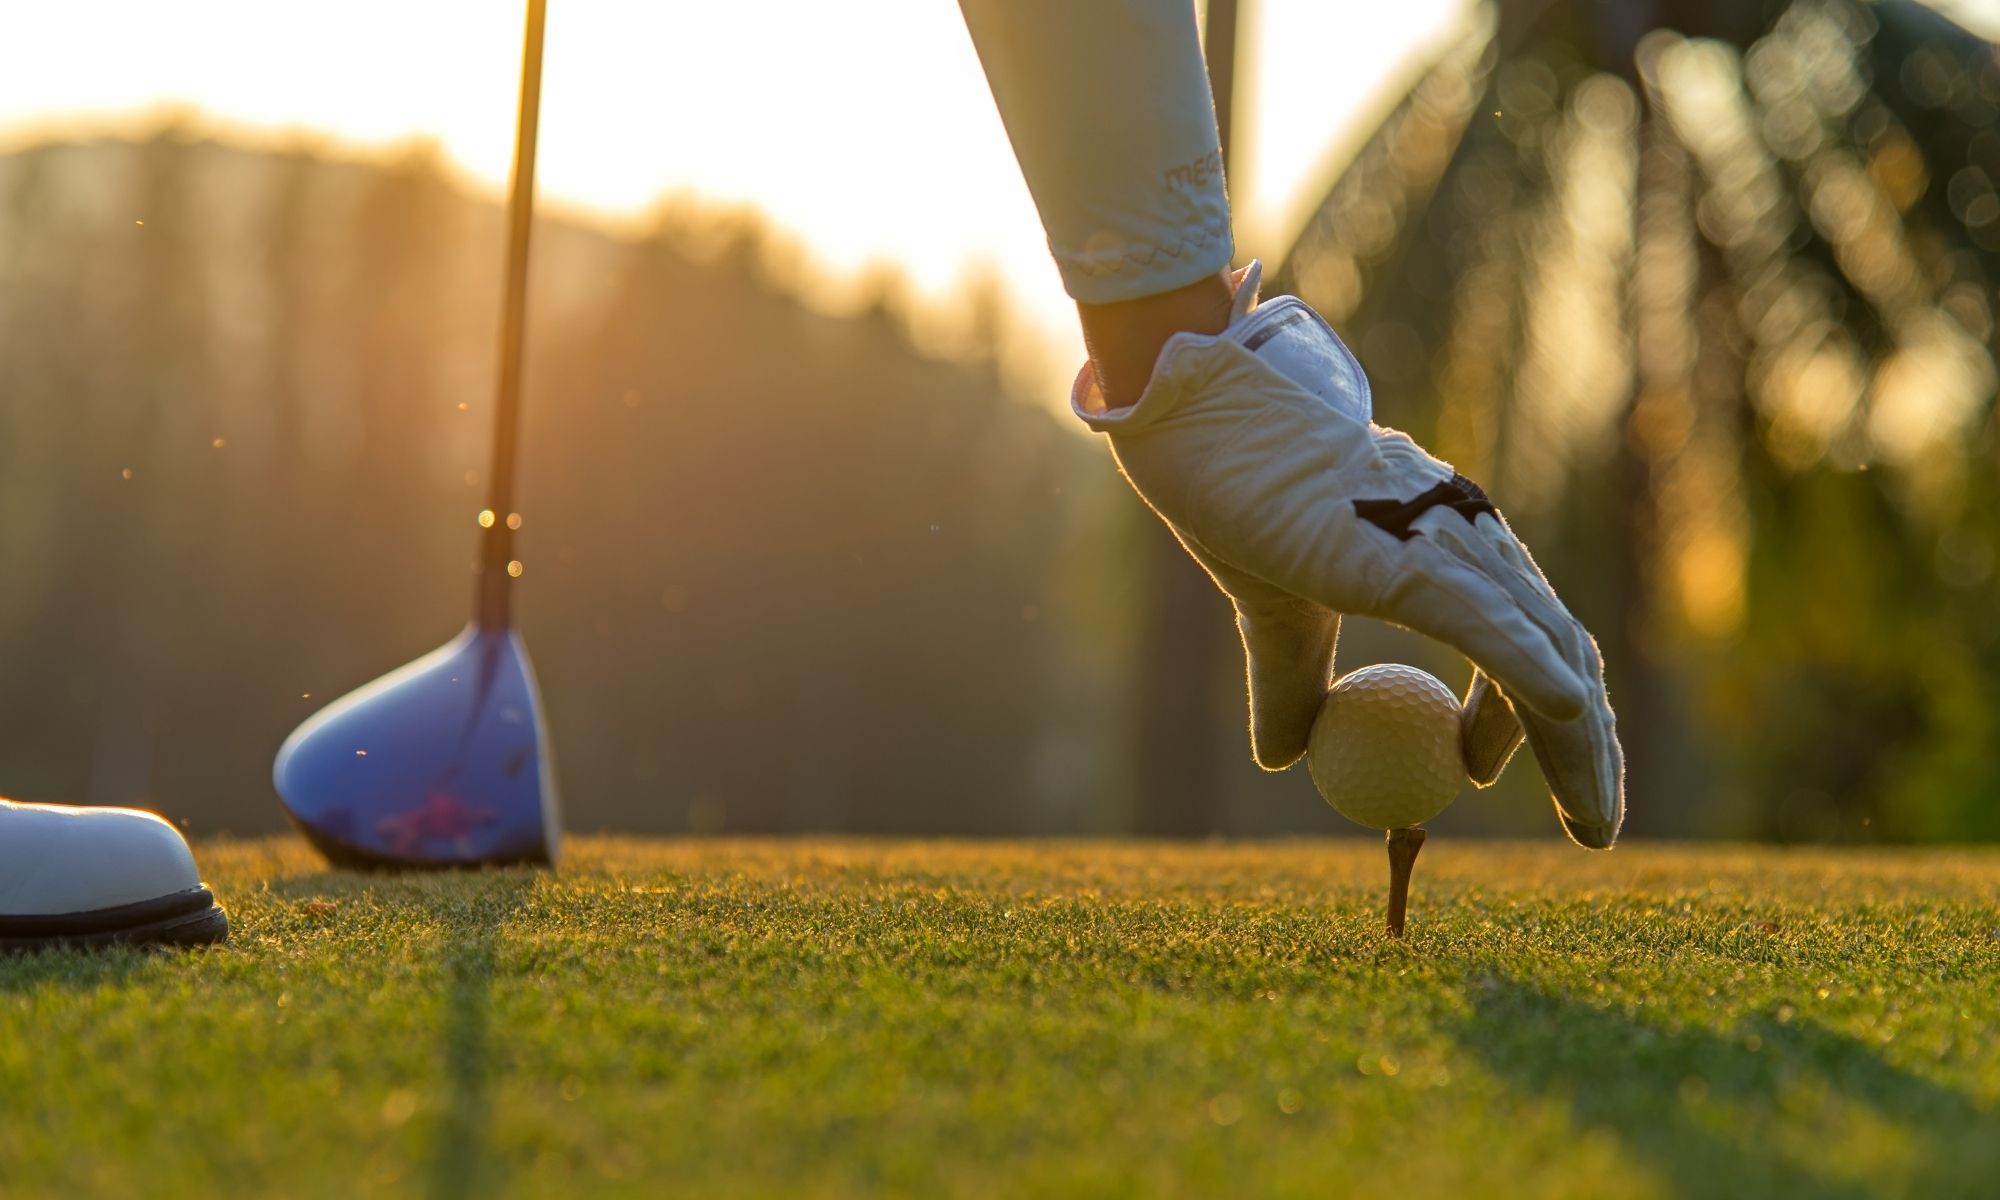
(497, 547)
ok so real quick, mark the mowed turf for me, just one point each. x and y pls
(841, 1018)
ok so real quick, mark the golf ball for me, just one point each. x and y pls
(1385, 747)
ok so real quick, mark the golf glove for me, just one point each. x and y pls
(1256, 448)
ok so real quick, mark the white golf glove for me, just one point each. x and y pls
(1256, 448)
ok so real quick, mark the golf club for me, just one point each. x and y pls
(446, 763)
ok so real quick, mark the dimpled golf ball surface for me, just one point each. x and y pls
(1385, 749)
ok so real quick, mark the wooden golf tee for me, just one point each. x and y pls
(1403, 847)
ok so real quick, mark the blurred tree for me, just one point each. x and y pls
(784, 571)
(1704, 290)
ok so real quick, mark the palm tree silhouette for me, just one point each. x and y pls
(1704, 290)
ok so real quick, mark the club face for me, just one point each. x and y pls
(444, 763)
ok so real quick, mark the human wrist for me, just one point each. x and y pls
(1124, 339)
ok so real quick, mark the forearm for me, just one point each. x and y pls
(1108, 108)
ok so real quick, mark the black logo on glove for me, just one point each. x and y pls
(1458, 493)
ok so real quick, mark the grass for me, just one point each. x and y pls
(836, 1018)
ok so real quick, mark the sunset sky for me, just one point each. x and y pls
(864, 129)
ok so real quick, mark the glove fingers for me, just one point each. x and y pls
(1288, 658)
(1288, 645)
(1489, 732)
(1489, 548)
(1579, 755)
(1447, 599)
(1585, 770)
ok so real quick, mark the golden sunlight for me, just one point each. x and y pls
(865, 133)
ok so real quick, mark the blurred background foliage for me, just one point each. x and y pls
(781, 570)
(1703, 290)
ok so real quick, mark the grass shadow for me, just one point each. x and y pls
(473, 906)
(1691, 1102)
(461, 1158)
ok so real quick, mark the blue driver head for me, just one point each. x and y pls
(444, 763)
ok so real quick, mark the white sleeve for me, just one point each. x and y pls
(1108, 107)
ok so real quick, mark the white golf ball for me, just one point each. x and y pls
(1385, 747)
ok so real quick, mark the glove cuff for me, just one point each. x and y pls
(1287, 334)
(1087, 401)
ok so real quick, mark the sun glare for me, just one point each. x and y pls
(866, 133)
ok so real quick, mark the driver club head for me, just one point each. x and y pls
(444, 763)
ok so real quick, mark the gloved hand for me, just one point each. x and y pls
(1256, 448)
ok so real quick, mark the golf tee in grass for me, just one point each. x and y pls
(1403, 847)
